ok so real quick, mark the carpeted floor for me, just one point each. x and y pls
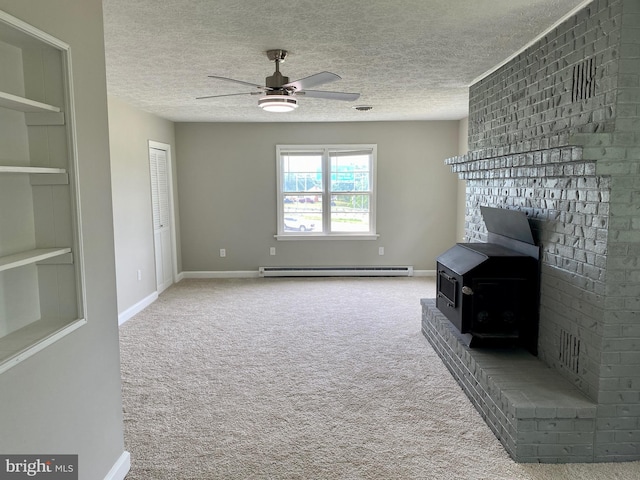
(309, 379)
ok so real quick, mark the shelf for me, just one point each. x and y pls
(22, 104)
(41, 289)
(29, 340)
(8, 169)
(32, 256)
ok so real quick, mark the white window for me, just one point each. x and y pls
(326, 191)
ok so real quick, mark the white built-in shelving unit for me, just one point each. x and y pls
(41, 279)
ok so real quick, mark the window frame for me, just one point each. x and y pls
(327, 193)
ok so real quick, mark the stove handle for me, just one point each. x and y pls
(448, 277)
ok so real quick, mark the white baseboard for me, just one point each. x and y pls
(138, 307)
(222, 274)
(424, 273)
(252, 274)
(120, 468)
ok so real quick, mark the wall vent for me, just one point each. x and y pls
(584, 80)
(570, 351)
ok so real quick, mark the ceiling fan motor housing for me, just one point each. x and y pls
(277, 80)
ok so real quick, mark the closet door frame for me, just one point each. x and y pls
(161, 255)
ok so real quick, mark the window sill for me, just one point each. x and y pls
(322, 236)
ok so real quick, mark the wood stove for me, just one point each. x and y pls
(490, 291)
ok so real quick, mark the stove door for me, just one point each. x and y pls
(448, 296)
(448, 288)
(498, 309)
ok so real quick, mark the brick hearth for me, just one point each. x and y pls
(535, 412)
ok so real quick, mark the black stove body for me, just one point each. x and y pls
(490, 291)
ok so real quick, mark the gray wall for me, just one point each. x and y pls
(129, 133)
(227, 194)
(66, 398)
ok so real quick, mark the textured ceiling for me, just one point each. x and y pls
(409, 59)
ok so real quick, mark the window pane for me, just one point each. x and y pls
(350, 213)
(302, 213)
(302, 172)
(326, 189)
(350, 172)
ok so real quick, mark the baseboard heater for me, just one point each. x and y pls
(335, 271)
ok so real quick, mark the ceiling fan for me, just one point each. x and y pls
(279, 94)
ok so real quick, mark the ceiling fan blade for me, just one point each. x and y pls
(228, 95)
(313, 81)
(348, 97)
(261, 87)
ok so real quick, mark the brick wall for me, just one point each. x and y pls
(618, 156)
(532, 97)
(556, 133)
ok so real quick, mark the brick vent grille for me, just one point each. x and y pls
(570, 351)
(584, 80)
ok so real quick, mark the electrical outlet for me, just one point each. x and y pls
(223, 252)
(272, 251)
(380, 250)
(139, 275)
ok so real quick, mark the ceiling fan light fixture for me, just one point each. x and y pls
(278, 103)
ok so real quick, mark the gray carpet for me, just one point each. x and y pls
(304, 379)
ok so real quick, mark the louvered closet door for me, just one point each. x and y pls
(161, 217)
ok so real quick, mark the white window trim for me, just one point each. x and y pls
(371, 235)
(326, 236)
